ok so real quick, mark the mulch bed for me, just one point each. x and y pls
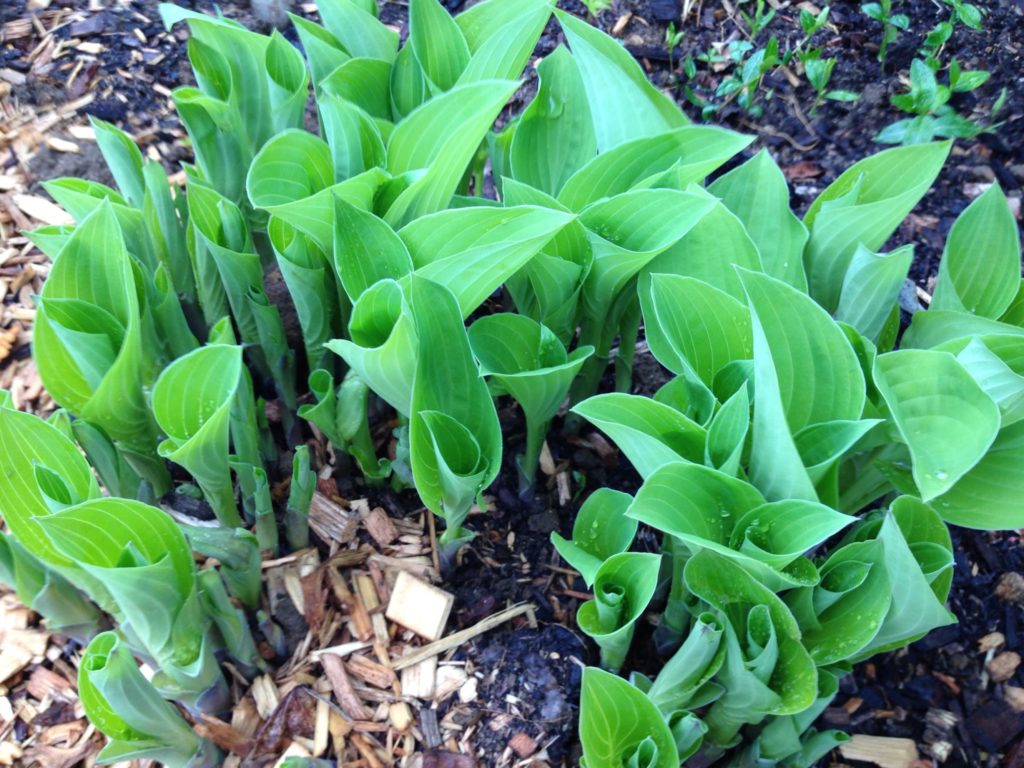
(958, 693)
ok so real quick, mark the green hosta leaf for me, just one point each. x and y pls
(619, 725)
(712, 250)
(125, 707)
(988, 496)
(440, 138)
(192, 404)
(117, 476)
(691, 153)
(324, 52)
(821, 445)
(501, 35)
(472, 251)
(555, 135)
(757, 193)
(767, 670)
(29, 442)
(863, 207)
(409, 87)
(359, 31)
(946, 419)
(600, 530)
(650, 433)
(216, 132)
(437, 42)
(292, 178)
(1000, 382)
(310, 282)
(355, 142)
(528, 362)
(50, 240)
(93, 362)
(623, 586)
(364, 83)
(366, 250)
(465, 426)
(982, 281)
(693, 326)
(625, 241)
(871, 288)
(623, 103)
(819, 376)
(287, 84)
(727, 433)
(383, 346)
(123, 157)
(941, 326)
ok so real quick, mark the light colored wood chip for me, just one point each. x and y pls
(993, 640)
(449, 679)
(419, 606)
(883, 751)
(522, 744)
(341, 685)
(380, 527)
(41, 209)
(370, 671)
(547, 463)
(13, 659)
(62, 145)
(418, 680)
(1003, 666)
(82, 132)
(321, 732)
(1014, 696)
(400, 716)
(93, 49)
(331, 521)
(456, 639)
(265, 695)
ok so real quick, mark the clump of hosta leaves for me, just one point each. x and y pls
(802, 471)
(802, 465)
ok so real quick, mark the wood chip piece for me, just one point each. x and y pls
(331, 521)
(883, 751)
(993, 640)
(380, 527)
(418, 680)
(1011, 587)
(400, 716)
(419, 606)
(1003, 666)
(41, 209)
(522, 744)
(1014, 696)
(349, 702)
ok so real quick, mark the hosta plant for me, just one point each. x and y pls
(802, 465)
(437, 252)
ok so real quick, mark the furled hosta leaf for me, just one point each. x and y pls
(192, 404)
(88, 340)
(871, 287)
(292, 179)
(946, 419)
(620, 726)
(358, 30)
(409, 87)
(364, 83)
(455, 437)
(437, 42)
(1000, 382)
(123, 157)
(623, 103)
(766, 670)
(383, 346)
(758, 195)
(691, 667)
(528, 362)
(43, 589)
(555, 135)
(980, 280)
(727, 433)
(142, 559)
(355, 141)
(287, 83)
(216, 131)
(600, 530)
(651, 434)
(863, 207)
(472, 251)
(440, 139)
(81, 198)
(693, 151)
(238, 552)
(311, 285)
(125, 707)
(692, 326)
(623, 586)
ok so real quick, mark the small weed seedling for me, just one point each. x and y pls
(892, 24)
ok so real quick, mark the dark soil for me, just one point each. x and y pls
(530, 677)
